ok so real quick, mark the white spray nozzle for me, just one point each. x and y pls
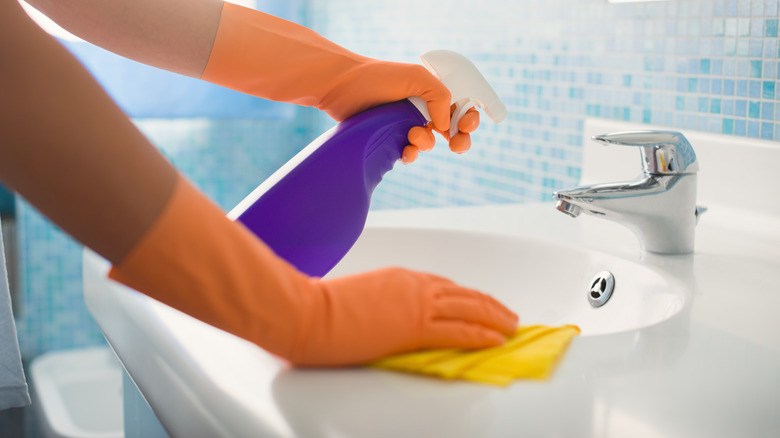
(467, 85)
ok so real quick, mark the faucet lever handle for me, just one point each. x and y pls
(663, 152)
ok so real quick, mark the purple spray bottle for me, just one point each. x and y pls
(313, 209)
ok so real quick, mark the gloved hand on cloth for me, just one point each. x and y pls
(196, 260)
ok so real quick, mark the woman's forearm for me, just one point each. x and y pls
(68, 149)
(176, 35)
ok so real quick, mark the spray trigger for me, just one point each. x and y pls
(461, 108)
(468, 86)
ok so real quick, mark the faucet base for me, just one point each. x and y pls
(660, 210)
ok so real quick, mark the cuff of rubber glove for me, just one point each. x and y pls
(263, 55)
(160, 251)
(168, 262)
(196, 260)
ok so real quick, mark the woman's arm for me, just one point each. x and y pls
(176, 35)
(68, 149)
(257, 54)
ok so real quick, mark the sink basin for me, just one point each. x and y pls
(202, 381)
(542, 281)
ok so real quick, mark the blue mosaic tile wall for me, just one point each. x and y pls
(708, 65)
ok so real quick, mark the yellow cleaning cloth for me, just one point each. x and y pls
(531, 353)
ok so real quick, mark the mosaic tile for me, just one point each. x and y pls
(692, 65)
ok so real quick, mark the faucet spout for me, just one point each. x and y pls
(567, 207)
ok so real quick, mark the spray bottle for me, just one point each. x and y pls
(313, 209)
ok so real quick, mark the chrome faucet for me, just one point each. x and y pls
(660, 206)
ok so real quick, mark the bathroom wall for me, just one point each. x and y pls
(709, 65)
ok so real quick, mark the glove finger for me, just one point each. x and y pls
(465, 293)
(409, 154)
(469, 122)
(435, 94)
(422, 137)
(445, 134)
(475, 308)
(460, 143)
(459, 334)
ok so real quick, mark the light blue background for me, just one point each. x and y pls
(709, 65)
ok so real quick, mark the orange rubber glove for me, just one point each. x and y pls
(195, 259)
(421, 138)
(265, 56)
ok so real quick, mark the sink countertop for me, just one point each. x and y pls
(712, 370)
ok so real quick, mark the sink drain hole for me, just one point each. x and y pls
(601, 288)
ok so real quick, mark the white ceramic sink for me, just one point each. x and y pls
(542, 281)
(198, 378)
(687, 345)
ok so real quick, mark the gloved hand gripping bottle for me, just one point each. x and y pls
(313, 209)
